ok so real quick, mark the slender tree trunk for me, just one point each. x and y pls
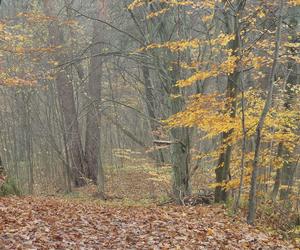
(67, 168)
(242, 89)
(287, 180)
(150, 102)
(278, 174)
(115, 119)
(268, 103)
(28, 141)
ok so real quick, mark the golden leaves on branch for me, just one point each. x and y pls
(181, 45)
(14, 81)
(294, 2)
(36, 17)
(172, 3)
(209, 113)
(23, 42)
(227, 67)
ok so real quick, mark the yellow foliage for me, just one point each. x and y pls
(212, 113)
(294, 2)
(181, 45)
(198, 76)
(172, 3)
(292, 45)
(209, 113)
(175, 46)
(157, 13)
(227, 67)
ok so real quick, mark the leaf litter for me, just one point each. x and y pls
(56, 223)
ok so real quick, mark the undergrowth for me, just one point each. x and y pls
(9, 187)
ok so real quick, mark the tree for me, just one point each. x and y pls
(168, 70)
(66, 101)
(267, 106)
(92, 143)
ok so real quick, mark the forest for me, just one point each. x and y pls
(149, 124)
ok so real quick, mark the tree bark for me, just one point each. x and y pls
(278, 174)
(223, 169)
(66, 99)
(93, 122)
(150, 102)
(180, 151)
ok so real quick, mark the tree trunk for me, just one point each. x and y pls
(92, 144)
(278, 174)
(66, 101)
(180, 151)
(268, 103)
(150, 108)
(180, 156)
(223, 169)
(92, 141)
(288, 170)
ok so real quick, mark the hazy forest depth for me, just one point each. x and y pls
(149, 124)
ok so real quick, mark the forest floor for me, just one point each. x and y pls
(70, 223)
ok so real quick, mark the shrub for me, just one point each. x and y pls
(9, 187)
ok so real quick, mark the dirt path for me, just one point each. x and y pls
(52, 223)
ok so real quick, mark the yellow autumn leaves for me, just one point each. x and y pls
(181, 45)
(209, 113)
(139, 3)
(294, 2)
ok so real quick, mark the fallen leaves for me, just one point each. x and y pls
(52, 223)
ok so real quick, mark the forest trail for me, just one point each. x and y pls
(55, 223)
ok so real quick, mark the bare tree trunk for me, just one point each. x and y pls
(67, 102)
(180, 156)
(67, 162)
(92, 143)
(268, 103)
(28, 140)
(287, 180)
(150, 102)
(242, 89)
(115, 120)
(278, 174)
(180, 151)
